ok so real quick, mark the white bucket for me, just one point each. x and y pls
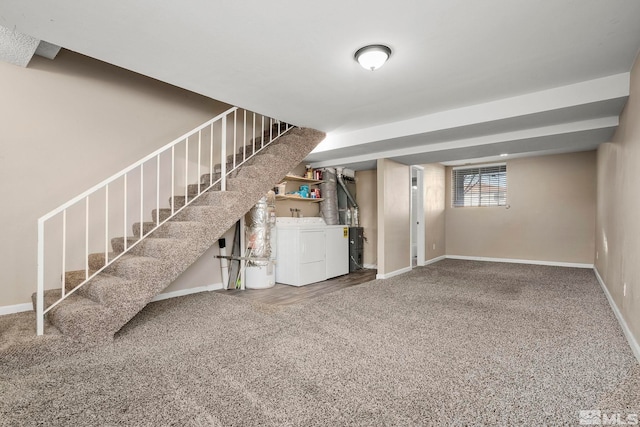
(260, 277)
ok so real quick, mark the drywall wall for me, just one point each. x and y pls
(68, 124)
(617, 225)
(551, 216)
(434, 211)
(366, 197)
(205, 273)
(394, 216)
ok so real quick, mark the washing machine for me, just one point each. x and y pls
(309, 251)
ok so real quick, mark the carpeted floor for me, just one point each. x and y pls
(455, 343)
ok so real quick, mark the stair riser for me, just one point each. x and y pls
(164, 214)
(97, 260)
(117, 243)
(106, 291)
(207, 179)
(74, 278)
(83, 323)
(146, 228)
(177, 202)
(192, 189)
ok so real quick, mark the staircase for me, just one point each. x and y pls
(97, 309)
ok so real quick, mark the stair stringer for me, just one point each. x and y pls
(108, 301)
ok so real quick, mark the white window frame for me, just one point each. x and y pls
(474, 195)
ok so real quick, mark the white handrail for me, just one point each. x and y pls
(88, 233)
(133, 166)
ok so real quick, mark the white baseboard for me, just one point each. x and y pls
(633, 343)
(17, 308)
(433, 260)
(521, 261)
(393, 273)
(370, 266)
(189, 291)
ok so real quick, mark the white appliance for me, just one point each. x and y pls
(309, 251)
(337, 250)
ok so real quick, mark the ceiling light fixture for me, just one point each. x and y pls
(504, 155)
(373, 56)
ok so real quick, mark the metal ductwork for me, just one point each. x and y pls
(352, 216)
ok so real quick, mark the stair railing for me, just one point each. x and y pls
(89, 220)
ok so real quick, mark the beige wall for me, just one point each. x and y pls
(68, 124)
(551, 216)
(618, 226)
(434, 211)
(394, 216)
(367, 199)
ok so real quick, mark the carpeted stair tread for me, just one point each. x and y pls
(105, 289)
(97, 260)
(81, 319)
(72, 280)
(75, 277)
(132, 267)
(117, 243)
(147, 227)
(164, 214)
(208, 178)
(50, 297)
(192, 189)
(178, 201)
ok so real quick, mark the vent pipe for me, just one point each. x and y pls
(355, 217)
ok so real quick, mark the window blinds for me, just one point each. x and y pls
(479, 186)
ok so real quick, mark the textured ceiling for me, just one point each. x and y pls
(294, 60)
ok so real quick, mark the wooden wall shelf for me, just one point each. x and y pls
(302, 179)
(298, 199)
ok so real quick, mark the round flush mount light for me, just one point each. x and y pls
(373, 56)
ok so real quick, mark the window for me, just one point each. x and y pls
(479, 186)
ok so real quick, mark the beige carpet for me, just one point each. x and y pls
(455, 343)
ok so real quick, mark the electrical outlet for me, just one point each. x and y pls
(434, 246)
(624, 290)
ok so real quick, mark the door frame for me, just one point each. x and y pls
(419, 221)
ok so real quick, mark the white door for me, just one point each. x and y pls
(417, 229)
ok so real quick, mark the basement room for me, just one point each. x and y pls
(332, 214)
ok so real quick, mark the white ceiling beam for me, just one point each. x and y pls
(606, 88)
(541, 132)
